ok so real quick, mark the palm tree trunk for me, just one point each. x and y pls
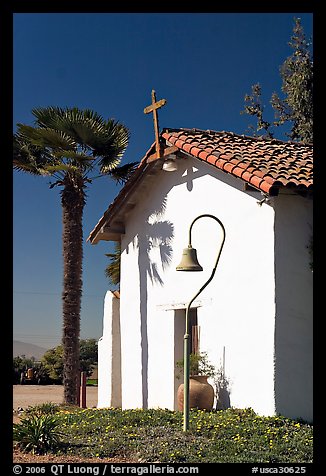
(73, 201)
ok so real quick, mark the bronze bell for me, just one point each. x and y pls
(189, 261)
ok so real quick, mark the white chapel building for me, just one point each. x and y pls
(255, 316)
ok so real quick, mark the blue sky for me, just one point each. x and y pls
(203, 64)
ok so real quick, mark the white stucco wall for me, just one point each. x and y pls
(294, 307)
(109, 355)
(257, 309)
(237, 309)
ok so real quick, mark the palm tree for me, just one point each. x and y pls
(70, 144)
(112, 271)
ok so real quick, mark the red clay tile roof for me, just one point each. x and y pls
(264, 164)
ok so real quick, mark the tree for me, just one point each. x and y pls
(20, 366)
(88, 355)
(296, 108)
(69, 145)
(53, 361)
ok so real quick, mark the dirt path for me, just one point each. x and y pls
(29, 395)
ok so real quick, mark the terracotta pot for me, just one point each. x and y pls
(201, 393)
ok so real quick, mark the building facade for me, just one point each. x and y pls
(255, 317)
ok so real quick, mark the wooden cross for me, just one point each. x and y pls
(153, 108)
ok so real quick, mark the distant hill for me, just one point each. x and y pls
(29, 350)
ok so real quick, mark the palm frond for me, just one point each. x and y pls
(81, 115)
(73, 155)
(74, 137)
(45, 137)
(62, 168)
(112, 148)
(86, 132)
(106, 139)
(122, 174)
(78, 124)
(29, 158)
(110, 166)
(47, 116)
(112, 271)
(27, 168)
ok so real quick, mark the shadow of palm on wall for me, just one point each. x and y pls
(154, 244)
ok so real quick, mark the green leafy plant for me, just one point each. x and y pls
(199, 365)
(37, 433)
(46, 408)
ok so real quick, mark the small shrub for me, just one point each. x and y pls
(47, 408)
(37, 433)
(198, 365)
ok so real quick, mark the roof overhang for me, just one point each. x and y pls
(110, 227)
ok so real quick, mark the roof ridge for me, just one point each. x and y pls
(235, 134)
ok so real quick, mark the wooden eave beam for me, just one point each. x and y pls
(115, 228)
(169, 150)
(109, 233)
